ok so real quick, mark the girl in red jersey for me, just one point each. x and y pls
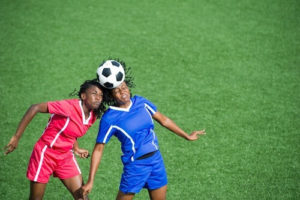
(53, 152)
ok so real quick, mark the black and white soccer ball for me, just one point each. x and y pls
(110, 74)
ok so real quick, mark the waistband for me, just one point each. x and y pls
(147, 155)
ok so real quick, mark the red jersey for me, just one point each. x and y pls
(66, 124)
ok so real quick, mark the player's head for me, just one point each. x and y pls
(121, 94)
(108, 93)
(91, 93)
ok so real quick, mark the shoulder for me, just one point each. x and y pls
(73, 103)
(138, 99)
(64, 103)
(141, 100)
(109, 115)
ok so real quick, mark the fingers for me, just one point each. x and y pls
(8, 149)
(195, 134)
(85, 191)
(84, 155)
(202, 132)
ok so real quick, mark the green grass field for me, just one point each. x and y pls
(231, 67)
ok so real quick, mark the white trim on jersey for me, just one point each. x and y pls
(84, 121)
(147, 107)
(65, 126)
(154, 139)
(124, 132)
(40, 163)
(121, 109)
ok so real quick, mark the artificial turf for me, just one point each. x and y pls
(231, 67)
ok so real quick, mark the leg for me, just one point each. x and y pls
(123, 196)
(74, 184)
(37, 190)
(158, 194)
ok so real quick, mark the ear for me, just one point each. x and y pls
(83, 96)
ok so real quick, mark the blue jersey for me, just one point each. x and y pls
(133, 127)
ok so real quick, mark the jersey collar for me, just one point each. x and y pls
(84, 121)
(121, 109)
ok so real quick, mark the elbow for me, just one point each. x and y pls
(34, 108)
(39, 108)
(165, 122)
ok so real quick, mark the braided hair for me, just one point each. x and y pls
(86, 85)
(107, 93)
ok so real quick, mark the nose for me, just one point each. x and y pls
(98, 97)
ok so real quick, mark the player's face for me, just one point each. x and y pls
(92, 97)
(122, 95)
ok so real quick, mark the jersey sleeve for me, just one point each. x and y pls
(105, 132)
(150, 106)
(62, 107)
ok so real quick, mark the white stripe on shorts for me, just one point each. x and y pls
(40, 163)
(74, 159)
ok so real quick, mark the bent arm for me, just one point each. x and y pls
(28, 116)
(169, 124)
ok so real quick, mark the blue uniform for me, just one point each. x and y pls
(133, 127)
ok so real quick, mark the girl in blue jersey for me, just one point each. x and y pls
(131, 121)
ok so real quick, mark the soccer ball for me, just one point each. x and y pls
(110, 74)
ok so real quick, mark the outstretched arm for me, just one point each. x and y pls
(28, 116)
(96, 159)
(169, 124)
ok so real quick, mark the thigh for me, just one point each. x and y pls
(74, 184)
(158, 194)
(123, 196)
(41, 165)
(158, 176)
(37, 190)
(134, 178)
(67, 166)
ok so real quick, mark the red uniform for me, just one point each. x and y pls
(52, 154)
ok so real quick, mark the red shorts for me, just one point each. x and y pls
(45, 161)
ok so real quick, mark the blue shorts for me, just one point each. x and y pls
(147, 173)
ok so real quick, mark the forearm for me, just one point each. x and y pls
(75, 145)
(95, 161)
(169, 124)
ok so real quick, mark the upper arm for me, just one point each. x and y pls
(160, 118)
(41, 107)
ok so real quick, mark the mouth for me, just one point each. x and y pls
(124, 96)
(97, 104)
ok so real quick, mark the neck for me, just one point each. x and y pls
(124, 105)
(85, 110)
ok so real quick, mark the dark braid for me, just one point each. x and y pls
(86, 85)
(107, 93)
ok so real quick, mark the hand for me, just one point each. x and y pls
(87, 188)
(82, 153)
(194, 135)
(12, 145)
